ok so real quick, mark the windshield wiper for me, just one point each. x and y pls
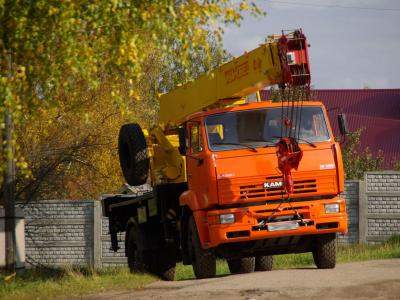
(308, 142)
(269, 142)
(235, 144)
(303, 140)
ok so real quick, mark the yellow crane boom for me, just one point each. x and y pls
(281, 60)
(264, 66)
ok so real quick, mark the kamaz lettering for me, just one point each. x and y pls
(274, 184)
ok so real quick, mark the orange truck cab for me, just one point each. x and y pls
(232, 179)
(236, 192)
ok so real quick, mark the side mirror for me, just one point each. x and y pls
(344, 130)
(182, 132)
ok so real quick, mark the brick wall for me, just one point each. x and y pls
(59, 233)
(383, 181)
(380, 212)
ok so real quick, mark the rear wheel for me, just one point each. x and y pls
(163, 262)
(203, 261)
(136, 255)
(264, 263)
(242, 265)
(324, 252)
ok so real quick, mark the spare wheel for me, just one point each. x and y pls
(133, 154)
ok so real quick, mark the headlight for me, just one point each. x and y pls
(227, 219)
(332, 208)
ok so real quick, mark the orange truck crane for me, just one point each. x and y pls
(232, 179)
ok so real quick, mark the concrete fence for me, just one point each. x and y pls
(59, 233)
(74, 232)
(379, 207)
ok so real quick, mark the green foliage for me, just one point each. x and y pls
(291, 94)
(357, 160)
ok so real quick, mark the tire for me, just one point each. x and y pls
(204, 262)
(242, 265)
(133, 154)
(163, 262)
(136, 255)
(264, 263)
(324, 252)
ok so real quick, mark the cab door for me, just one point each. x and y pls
(197, 164)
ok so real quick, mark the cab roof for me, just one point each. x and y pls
(251, 106)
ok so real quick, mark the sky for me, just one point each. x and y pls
(351, 47)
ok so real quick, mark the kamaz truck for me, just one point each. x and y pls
(233, 179)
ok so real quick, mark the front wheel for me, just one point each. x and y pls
(242, 265)
(203, 261)
(264, 263)
(324, 252)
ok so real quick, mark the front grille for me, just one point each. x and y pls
(259, 191)
(304, 186)
(266, 188)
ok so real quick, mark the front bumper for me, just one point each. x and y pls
(251, 223)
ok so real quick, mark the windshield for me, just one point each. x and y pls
(263, 127)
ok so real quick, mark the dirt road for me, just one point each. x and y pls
(378, 279)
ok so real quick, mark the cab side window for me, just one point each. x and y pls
(196, 143)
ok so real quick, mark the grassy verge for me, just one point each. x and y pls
(49, 284)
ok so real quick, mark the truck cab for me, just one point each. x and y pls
(235, 189)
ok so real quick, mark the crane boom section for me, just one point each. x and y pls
(240, 77)
(281, 60)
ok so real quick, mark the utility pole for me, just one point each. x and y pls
(9, 184)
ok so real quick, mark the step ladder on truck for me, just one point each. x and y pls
(232, 179)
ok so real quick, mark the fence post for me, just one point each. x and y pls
(362, 211)
(97, 218)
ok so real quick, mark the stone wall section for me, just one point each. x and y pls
(388, 181)
(381, 213)
(59, 233)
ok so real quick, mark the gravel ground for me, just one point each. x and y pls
(379, 279)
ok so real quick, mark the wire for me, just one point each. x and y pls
(336, 6)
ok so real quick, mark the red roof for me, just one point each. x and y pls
(375, 110)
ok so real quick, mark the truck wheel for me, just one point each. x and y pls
(133, 156)
(163, 262)
(136, 255)
(324, 252)
(242, 265)
(264, 263)
(203, 261)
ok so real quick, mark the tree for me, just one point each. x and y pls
(357, 160)
(71, 148)
(61, 45)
